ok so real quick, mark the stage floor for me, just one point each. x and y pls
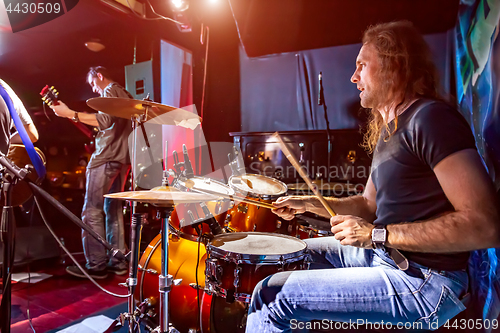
(60, 299)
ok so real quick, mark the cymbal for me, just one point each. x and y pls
(162, 196)
(129, 108)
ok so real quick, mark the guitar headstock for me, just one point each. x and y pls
(50, 95)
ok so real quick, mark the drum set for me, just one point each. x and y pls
(217, 241)
(213, 273)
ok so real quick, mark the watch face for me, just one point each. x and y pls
(378, 235)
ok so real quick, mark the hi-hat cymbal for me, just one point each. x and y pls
(130, 108)
(162, 196)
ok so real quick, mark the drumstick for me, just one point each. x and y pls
(189, 184)
(302, 174)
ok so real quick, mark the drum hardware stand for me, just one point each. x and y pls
(135, 235)
(321, 101)
(165, 280)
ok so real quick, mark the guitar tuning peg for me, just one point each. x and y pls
(43, 98)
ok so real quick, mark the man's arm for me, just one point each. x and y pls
(62, 110)
(358, 205)
(32, 133)
(475, 222)
(473, 225)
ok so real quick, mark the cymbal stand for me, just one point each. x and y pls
(135, 236)
(135, 225)
(165, 280)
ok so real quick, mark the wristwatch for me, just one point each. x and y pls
(379, 236)
(75, 118)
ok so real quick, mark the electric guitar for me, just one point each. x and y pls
(18, 154)
(50, 96)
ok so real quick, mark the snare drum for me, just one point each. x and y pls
(248, 217)
(218, 208)
(238, 261)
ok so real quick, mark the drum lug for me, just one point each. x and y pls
(236, 282)
(307, 261)
(149, 270)
(242, 208)
(212, 270)
(281, 264)
(278, 224)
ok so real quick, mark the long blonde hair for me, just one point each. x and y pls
(406, 72)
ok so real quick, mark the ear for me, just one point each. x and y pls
(99, 75)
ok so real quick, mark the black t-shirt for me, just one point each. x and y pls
(402, 171)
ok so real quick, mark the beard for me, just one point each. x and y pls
(371, 98)
(377, 95)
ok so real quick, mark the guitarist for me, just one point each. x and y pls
(7, 124)
(105, 174)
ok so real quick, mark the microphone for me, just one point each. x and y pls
(320, 89)
(188, 168)
(177, 164)
(11, 167)
(211, 221)
(164, 181)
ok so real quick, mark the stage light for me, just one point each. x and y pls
(95, 45)
(179, 5)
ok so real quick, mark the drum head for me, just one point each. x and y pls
(257, 185)
(256, 247)
(202, 183)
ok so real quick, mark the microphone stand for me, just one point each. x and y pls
(321, 101)
(11, 175)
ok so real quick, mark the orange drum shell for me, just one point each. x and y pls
(182, 259)
(247, 217)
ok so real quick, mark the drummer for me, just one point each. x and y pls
(106, 172)
(399, 251)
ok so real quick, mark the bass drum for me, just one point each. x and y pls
(219, 316)
(183, 263)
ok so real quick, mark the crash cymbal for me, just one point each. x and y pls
(129, 108)
(162, 196)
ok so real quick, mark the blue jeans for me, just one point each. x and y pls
(103, 215)
(351, 285)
